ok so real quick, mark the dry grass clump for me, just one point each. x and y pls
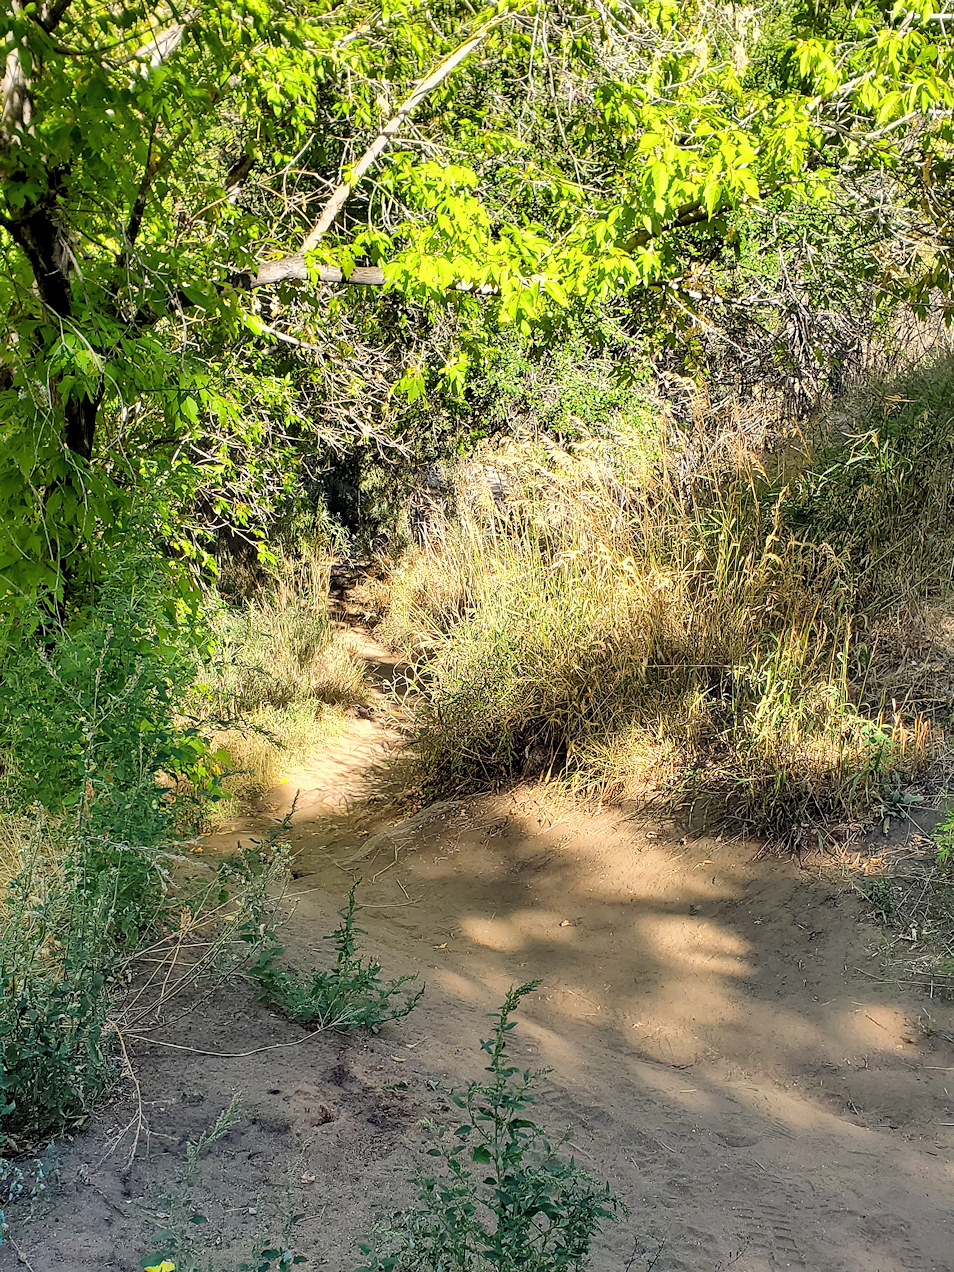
(284, 674)
(684, 628)
(22, 841)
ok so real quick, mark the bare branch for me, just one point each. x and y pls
(293, 269)
(161, 47)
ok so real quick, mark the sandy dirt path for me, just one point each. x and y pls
(723, 1046)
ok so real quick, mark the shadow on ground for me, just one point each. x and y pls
(726, 1050)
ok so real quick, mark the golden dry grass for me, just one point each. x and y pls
(652, 627)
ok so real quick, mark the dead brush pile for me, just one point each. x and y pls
(710, 630)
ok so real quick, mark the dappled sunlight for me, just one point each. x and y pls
(515, 932)
(706, 948)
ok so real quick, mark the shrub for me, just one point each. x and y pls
(89, 722)
(56, 1056)
(73, 921)
(350, 995)
(506, 1199)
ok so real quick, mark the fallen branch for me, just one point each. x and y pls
(294, 268)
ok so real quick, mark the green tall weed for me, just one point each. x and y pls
(506, 1199)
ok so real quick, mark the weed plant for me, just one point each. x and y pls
(20, 1182)
(944, 842)
(90, 721)
(173, 1243)
(56, 959)
(506, 1200)
(350, 995)
(189, 1239)
(75, 920)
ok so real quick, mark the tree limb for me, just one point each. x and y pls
(16, 105)
(293, 268)
(161, 47)
(54, 15)
(341, 193)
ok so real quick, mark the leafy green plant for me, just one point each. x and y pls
(56, 1053)
(350, 995)
(506, 1200)
(89, 722)
(272, 1258)
(944, 842)
(881, 895)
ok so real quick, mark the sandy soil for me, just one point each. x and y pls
(725, 1049)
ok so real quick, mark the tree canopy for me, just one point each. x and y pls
(182, 182)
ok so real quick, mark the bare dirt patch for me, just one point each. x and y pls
(716, 1041)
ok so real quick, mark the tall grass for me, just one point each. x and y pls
(692, 628)
(282, 676)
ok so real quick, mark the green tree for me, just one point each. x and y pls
(163, 168)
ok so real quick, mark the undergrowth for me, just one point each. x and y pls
(281, 677)
(98, 938)
(913, 903)
(707, 626)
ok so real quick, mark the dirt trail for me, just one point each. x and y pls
(718, 1040)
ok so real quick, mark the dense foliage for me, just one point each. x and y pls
(166, 216)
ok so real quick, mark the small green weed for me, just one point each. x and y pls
(174, 1242)
(505, 1201)
(897, 803)
(880, 895)
(17, 1184)
(272, 1259)
(186, 1241)
(351, 995)
(944, 841)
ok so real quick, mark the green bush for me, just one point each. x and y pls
(879, 490)
(89, 722)
(506, 1200)
(56, 956)
(73, 920)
